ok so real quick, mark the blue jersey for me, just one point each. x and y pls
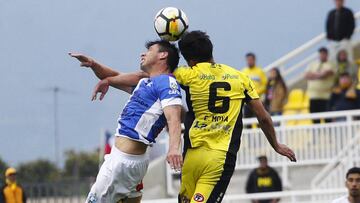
(143, 117)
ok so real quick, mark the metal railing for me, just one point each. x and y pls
(72, 191)
(303, 196)
(292, 64)
(313, 144)
(333, 174)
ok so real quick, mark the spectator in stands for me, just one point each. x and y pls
(258, 76)
(321, 77)
(276, 92)
(352, 183)
(340, 23)
(11, 191)
(344, 65)
(263, 179)
(345, 96)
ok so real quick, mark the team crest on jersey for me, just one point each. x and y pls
(199, 197)
(174, 88)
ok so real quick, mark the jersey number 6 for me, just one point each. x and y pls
(213, 97)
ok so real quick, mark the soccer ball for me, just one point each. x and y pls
(170, 23)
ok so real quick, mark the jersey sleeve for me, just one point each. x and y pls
(250, 90)
(168, 91)
(183, 75)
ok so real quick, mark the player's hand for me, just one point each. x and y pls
(286, 151)
(85, 61)
(102, 87)
(174, 159)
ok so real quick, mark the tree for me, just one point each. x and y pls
(3, 167)
(38, 171)
(81, 164)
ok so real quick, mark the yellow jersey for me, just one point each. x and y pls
(258, 76)
(215, 94)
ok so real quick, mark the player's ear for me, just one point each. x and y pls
(163, 55)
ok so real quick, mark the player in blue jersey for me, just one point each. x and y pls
(154, 103)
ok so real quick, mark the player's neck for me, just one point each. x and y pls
(192, 63)
(158, 72)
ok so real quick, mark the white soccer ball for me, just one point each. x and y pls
(170, 23)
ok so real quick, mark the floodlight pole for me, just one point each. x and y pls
(56, 133)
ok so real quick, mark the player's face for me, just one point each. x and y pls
(149, 58)
(353, 184)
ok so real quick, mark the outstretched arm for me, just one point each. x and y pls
(109, 76)
(173, 117)
(101, 71)
(266, 125)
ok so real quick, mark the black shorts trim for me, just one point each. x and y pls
(219, 190)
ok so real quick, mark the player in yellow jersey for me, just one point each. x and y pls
(215, 94)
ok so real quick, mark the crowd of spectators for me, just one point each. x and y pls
(332, 82)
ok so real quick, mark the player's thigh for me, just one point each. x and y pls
(191, 171)
(213, 183)
(219, 189)
(103, 180)
(202, 193)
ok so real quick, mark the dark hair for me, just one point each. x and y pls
(278, 79)
(173, 54)
(345, 74)
(262, 157)
(196, 46)
(323, 49)
(250, 54)
(352, 171)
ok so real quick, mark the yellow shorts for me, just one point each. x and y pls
(205, 175)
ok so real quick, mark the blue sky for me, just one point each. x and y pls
(35, 37)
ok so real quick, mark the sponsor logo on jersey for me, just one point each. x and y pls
(228, 76)
(199, 197)
(207, 77)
